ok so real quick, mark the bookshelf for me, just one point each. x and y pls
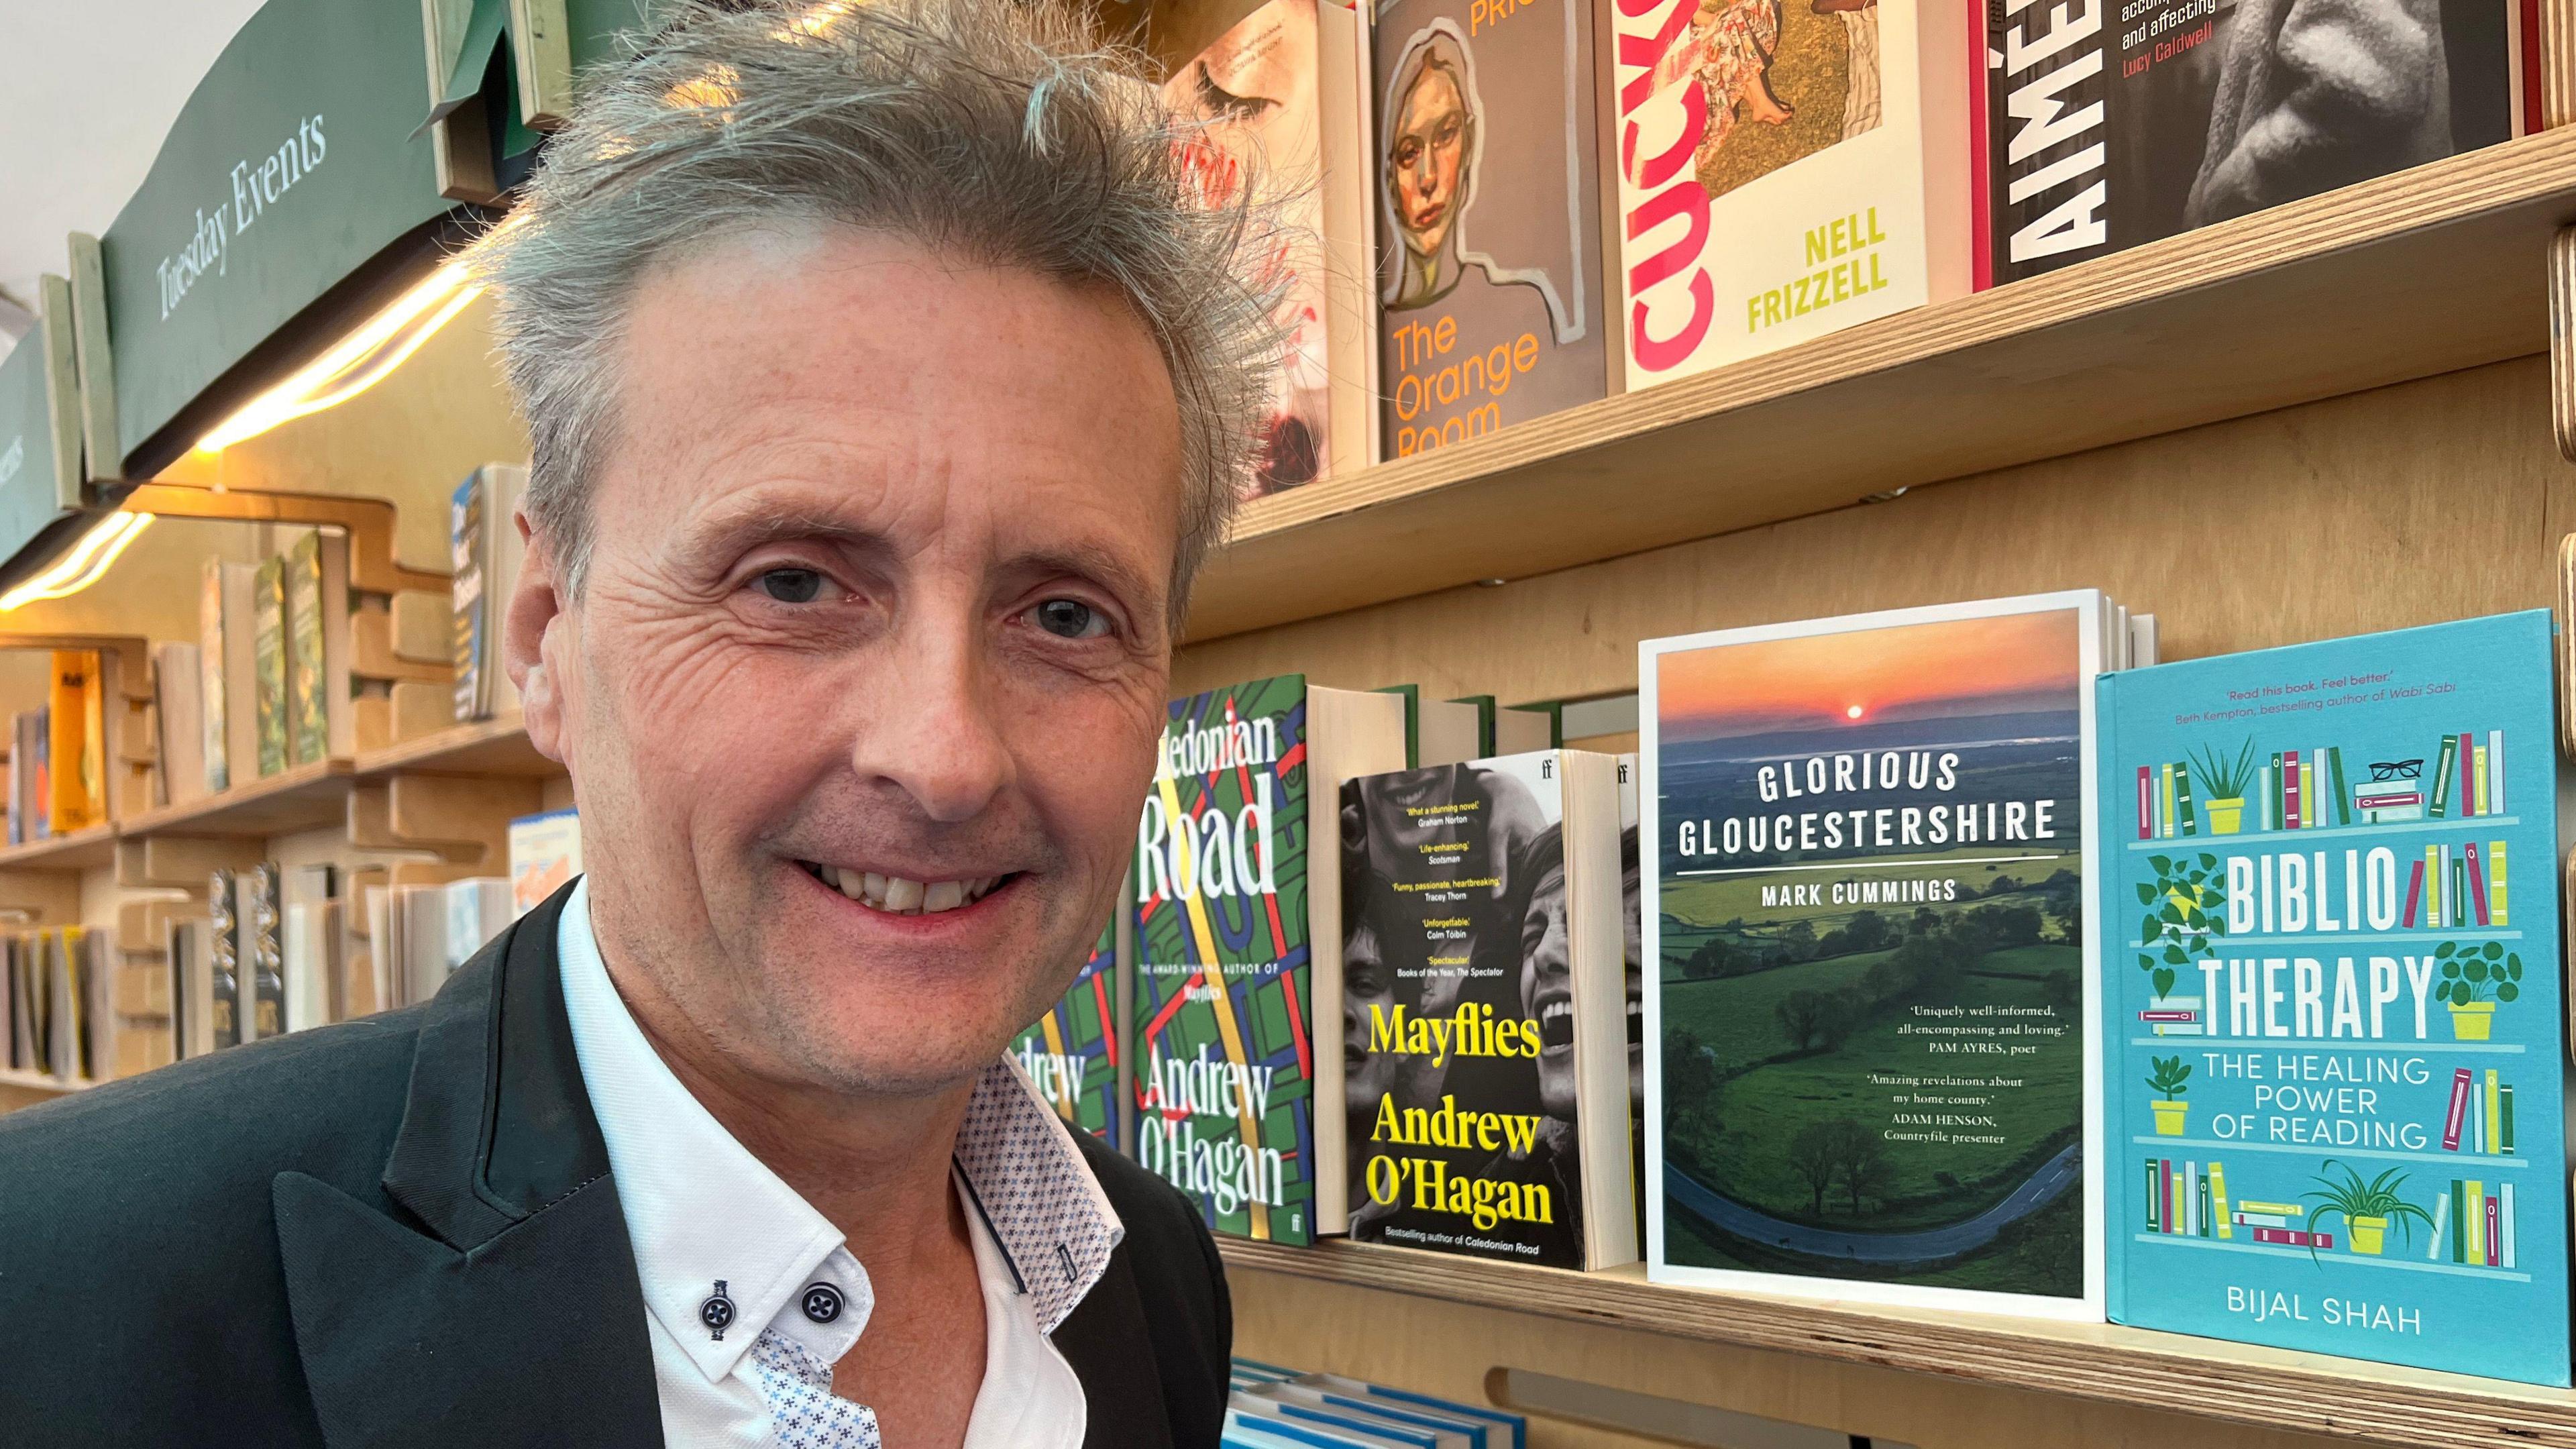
(2228, 321)
(2205, 1379)
(78, 850)
(298, 798)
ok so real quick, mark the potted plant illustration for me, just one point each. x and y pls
(2170, 1074)
(2474, 980)
(2225, 782)
(2367, 1208)
(2182, 917)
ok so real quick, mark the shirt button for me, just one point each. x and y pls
(717, 1312)
(822, 1302)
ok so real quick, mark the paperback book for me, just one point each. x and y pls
(1869, 1060)
(1787, 168)
(1231, 939)
(1071, 1055)
(2102, 128)
(1484, 1011)
(2333, 1010)
(1489, 258)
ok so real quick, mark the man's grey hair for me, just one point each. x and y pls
(999, 130)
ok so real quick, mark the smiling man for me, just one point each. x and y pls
(885, 393)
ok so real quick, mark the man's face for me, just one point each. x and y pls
(860, 692)
(1429, 153)
(1547, 990)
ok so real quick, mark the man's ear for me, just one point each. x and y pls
(534, 633)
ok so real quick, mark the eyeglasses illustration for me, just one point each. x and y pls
(2396, 769)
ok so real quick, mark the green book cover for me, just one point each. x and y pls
(2342, 793)
(268, 658)
(307, 698)
(2280, 801)
(2183, 818)
(1412, 696)
(2504, 1118)
(2442, 776)
(1224, 1087)
(1071, 1054)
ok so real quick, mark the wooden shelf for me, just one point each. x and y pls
(77, 851)
(2427, 271)
(2275, 1388)
(298, 799)
(42, 1082)
(497, 746)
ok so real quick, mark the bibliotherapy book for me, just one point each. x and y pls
(1223, 1075)
(2332, 997)
(1866, 841)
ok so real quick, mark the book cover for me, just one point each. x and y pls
(308, 720)
(210, 665)
(1071, 1055)
(1787, 168)
(223, 960)
(1867, 1029)
(545, 854)
(1483, 1004)
(468, 596)
(1489, 266)
(263, 920)
(268, 661)
(2103, 129)
(77, 744)
(1223, 1044)
(2356, 1063)
(1254, 96)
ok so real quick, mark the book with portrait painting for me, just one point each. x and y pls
(1278, 107)
(1490, 264)
(1074, 1056)
(2333, 1009)
(1236, 939)
(1484, 1010)
(2100, 128)
(1786, 169)
(1869, 856)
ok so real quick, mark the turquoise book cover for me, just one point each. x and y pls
(2332, 983)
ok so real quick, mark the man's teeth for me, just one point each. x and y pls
(897, 896)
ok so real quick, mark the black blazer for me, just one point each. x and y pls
(403, 1231)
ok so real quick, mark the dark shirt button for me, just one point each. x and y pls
(822, 1302)
(717, 1312)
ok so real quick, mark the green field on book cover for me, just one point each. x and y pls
(1071, 1053)
(1223, 1072)
(2334, 1013)
(1868, 932)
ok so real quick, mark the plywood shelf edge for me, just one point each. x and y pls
(2309, 1393)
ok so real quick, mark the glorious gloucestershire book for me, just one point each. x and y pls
(1866, 843)
(1489, 255)
(1786, 168)
(2333, 1008)
(1072, 1054)
(1235, 941)
(2102, 127)
(1484, 1011)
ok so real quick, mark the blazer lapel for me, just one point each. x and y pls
(1103, 1339)
(497, 1304)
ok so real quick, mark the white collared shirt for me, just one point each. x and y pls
(702, 1211)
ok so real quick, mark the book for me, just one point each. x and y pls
(1279, 104)
(1490, 254)
(1237, 939)
(2100, 131)
(77, 744)
(2351, 1042)
(1484, 1010)
(178, 724)
(192, 994)
(228, 646)
(224, 975)
(477, 909)
(308, 720)
(484, 551)
(1072, 1055)
(261, 918)
(268, 666)
(309, 945)
(1785, 170)
(545, 854)
(1866, 839)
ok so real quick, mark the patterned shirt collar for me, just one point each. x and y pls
(700, 1207)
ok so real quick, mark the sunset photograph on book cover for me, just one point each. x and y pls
(1869, 948)
(1223, 1068)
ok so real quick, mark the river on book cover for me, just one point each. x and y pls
(1872, 954)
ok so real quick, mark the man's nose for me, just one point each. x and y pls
(932, 731)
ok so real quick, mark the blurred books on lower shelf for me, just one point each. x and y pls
(1269, 1407)
(59, 1020)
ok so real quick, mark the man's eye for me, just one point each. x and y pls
(792, 586)
(1071, 619)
